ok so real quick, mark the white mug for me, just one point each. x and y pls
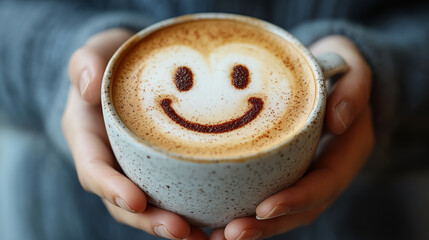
(212, 193)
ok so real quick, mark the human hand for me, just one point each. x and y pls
(341, 154)
(96, 166)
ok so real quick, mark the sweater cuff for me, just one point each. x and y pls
(376, 51)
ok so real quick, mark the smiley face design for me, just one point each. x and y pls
(239, 79)
(235, 90)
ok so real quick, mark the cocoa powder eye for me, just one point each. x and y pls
(240, 77)
(183, 78)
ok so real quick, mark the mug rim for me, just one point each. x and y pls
(107, 102)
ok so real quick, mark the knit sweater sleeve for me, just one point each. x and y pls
(396, 47)
(37, 40)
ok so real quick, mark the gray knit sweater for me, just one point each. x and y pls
(40, 197)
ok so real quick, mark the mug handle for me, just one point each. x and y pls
(331, 64)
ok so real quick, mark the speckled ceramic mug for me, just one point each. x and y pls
(212, 193)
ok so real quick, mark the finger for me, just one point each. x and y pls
(217, 234)
(350, 95)
(155, 221)
(87, 64)
(251, 228)
(342, 158)
(95, 164)
(86, 70)
(348, 98)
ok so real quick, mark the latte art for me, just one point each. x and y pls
(184, 82)
(213, 88)
(184, 79)
(218, 128)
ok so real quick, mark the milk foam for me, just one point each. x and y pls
(146, 76)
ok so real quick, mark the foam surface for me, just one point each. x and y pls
(277, 74)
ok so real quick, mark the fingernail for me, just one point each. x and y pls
(277, 211)
(249, 235)
(344, 112)
(162, 231)
(122, 204)
(85, 78)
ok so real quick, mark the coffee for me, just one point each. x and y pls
(214, 88)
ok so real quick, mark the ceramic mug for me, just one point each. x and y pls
(212, 193)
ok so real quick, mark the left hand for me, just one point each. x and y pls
(96, 166)
(341, 154)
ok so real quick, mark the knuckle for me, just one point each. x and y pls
(77, 59)
(85, 171)
(93, 178)
(74, 63)
(84, 175)
(79, 53)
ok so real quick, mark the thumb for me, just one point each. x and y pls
(350, 95)
(87, 64)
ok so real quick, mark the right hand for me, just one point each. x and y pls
(344, 149)
(97, 169)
